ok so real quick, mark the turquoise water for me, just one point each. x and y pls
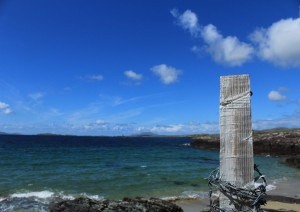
(34, 170)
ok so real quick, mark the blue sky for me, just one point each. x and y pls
(125, 67)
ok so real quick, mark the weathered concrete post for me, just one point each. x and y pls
(236, 144)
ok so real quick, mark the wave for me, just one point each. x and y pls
(186, 144)
(38, 194)
(269, 187)
(37, 200)
(40, 200)
(187, 195)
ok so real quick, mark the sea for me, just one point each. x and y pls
(36, 171)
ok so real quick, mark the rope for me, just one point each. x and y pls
(252, 198)
(235, 98)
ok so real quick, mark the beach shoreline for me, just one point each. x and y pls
(285, 196)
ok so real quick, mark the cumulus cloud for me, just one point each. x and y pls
(132, 75)
(276, 96)
(167, 74)
(5, 108)
(224, 50)
(279, 44)
(187, 20)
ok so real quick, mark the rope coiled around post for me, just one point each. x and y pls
(253, 198)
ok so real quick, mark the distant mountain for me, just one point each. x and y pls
(49, 134)
(4, 133)
(146, 134)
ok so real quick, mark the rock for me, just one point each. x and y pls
(209, 142)
(293, 161)
(279, 142)
(127, 205)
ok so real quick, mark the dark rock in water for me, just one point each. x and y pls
(293, 161)
(127, 205)
(209, 142)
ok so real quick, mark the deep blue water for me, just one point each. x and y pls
(36, 169)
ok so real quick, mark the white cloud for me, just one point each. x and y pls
(187, 20)
(3, 105)
(225, 50)
(166, 73)
(132, 75)
(167, 128)
(276, 96)
(101, 122)
(185, 128)
(279, 44)
(97, 77)
(36, 96)
(289, 122)
(5, 108)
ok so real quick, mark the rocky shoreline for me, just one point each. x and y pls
(138, 204)
(277, 142)
(127, 204)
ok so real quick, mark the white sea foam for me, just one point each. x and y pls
(280, 180)
(186, 144)
(1, 199)
(94, 197)
(38, 194)
(143, 166)
(187, 195)
(66, 196)
(195, 194)
(49, 194)
(269, 187)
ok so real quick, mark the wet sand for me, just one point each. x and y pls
(285, 197)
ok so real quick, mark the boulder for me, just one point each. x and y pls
(83, 204)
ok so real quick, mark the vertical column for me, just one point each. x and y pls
(236, 144)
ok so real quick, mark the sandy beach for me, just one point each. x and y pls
(285, 197)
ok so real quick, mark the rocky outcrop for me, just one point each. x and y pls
(282, 142)
(127, 204)
(271, 142)
(293, 161)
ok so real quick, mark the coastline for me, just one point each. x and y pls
(284, 197)
(199, 162)
(275, 142)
